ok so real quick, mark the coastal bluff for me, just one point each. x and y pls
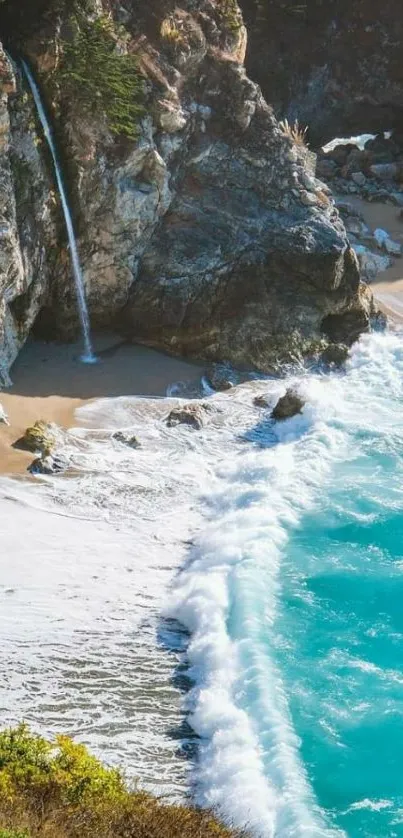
(201, 225)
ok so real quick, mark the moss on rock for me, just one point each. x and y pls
(40, 437)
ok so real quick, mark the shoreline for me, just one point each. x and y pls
(387, 288)
(50, 383)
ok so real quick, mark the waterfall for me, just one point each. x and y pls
(88, 356)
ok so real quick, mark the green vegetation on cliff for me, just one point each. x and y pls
(59, 790)
(12, 833)
(231, 15)
(96, 71)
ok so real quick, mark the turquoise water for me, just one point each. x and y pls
(339, 631)
(339, 641)
(294, 600)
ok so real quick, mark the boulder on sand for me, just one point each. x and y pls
(49, 465)
(40, 437)
(289, 405)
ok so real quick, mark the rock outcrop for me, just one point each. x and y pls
(334, 65)
(28, 222)
(335, 355)
(209, 235)
(375, 171)
(195, 415)
(291, 404)
(49, 464)
(38, 438)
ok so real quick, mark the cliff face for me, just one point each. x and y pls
(333, 64)
(27, 225)
(207, 235)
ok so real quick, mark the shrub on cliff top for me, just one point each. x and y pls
(59, 790)
(102, 77)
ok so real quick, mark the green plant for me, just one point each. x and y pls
(13, 833)
(231, 15)
(59, 790)
(96, 70)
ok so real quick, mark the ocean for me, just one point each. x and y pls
(219, 611)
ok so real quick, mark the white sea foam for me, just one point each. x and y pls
(359, 140)
(249, 765)
(372, 805)
(238, 488)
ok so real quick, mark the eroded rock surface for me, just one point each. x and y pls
(288, 406)
(207, 236)
(195, 415)
(335, 355)
(28, 231)
(49, 465)
(221, 377)
(40, 437)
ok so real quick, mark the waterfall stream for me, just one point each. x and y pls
(88, 356)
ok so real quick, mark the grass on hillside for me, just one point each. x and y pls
(59, 790)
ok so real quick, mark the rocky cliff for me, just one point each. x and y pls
(333, 64)
(207, 233)
(28, 222)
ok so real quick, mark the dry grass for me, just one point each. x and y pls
(170, 31)
(59, 790)
(324, 200)
(295, 131)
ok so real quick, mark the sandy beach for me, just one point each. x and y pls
(388, 286)
(50, 382)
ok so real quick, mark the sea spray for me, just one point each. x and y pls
(88, 357)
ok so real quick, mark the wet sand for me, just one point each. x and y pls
(388, 286)
(50, 382)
